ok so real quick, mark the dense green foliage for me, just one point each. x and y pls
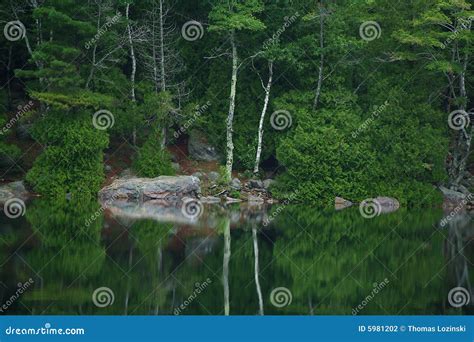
(369, 109)
(152, 160)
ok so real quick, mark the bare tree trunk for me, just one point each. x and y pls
(321, 62)
(225, 268)
(257, 272)
(134, 67)
(162, 67)
(230, 116)
(162, 50)
(127, 295)
(132, 54)
(262, 116)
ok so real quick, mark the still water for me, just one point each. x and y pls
(76, 258)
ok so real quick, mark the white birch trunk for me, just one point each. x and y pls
(230, 116)
(262, 116)
(321, 61)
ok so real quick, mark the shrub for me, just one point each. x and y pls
(152, 160)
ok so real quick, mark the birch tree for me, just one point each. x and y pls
(229, 18)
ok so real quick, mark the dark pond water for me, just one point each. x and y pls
(75, 258)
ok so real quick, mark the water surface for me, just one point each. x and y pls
(292, 260)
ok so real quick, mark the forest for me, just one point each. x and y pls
(331, 98)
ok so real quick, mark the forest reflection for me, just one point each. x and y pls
(329, 261)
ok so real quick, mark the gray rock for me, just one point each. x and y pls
(13, 190)
(255, 199)
(255, 184)
(107, 168)
(387, 204)
(127, 173)
(341, 203)
(199, 148)
(163, 187)
(267, 183)
(230, 200)
(198, 174)
(213, 176)
(236, 184)
(210, 199)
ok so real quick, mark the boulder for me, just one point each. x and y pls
(213, 176)
(13, 190)
(387, 204)
(267, 183)
(200, 149)
(198, 174)
(164, 187)
(255, 184)
(236, 184)
(341, 203)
